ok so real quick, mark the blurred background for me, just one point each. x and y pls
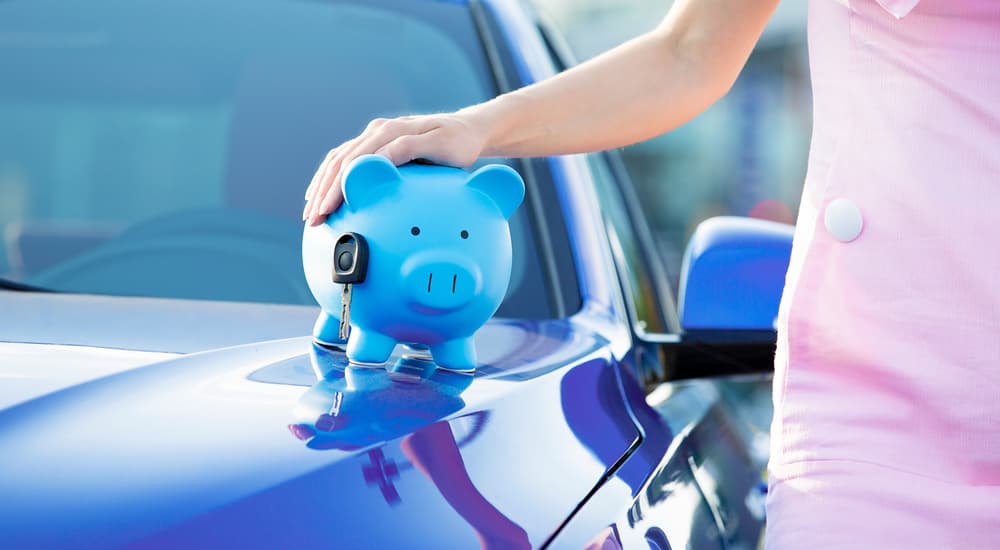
(744, 156)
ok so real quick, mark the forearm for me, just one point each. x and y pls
(638, 90)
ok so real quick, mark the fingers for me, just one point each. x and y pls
(322, 181)
(319, 171)
(324, 193)
(314, 183)
(405, 148)
(316, 186)
(331, 198)
(325, 185)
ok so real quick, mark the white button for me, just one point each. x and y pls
(843, 220)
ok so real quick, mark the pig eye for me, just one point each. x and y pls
(414, 231)
(464, 234)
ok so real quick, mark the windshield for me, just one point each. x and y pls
(163, 148)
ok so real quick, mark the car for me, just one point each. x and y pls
(160, 387)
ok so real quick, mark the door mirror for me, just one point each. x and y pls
(733, 274)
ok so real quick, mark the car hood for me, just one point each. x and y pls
(28, 371)
(147, 324)
(249, 446)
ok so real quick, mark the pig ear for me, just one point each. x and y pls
(366, 175)
(500, 183)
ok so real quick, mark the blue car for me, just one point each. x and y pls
(158, 384)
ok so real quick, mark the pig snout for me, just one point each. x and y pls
(438, 283)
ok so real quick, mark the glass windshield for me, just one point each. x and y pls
(163, 148)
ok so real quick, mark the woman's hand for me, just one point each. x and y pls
(454, 139)
(642, 88)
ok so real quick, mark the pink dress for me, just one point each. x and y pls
(887, 380)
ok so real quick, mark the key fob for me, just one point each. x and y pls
(350, 259)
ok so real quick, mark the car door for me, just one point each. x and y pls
(714, 397)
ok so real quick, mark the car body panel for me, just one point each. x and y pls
(28, 371)
(733, 274)
(703, 454)
(207, 434)
(147, 324)
(274, 442)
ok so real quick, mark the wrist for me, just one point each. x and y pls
(491, 121)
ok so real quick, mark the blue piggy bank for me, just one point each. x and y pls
(438, 258)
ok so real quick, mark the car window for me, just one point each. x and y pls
(649, 303)
(163, 149)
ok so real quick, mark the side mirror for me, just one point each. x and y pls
(733, 274)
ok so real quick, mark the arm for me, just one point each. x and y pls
(643, 88)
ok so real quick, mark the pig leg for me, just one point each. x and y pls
(327, 329)
(367, 346)
(455, 355)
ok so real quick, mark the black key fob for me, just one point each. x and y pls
(350, 259)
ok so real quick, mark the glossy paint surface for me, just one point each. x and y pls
(697, 480)
(209, 436)
(28, 371)
(278, 443)
(147, 324)
(733, 274)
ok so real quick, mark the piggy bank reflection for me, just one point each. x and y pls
(364, 406)
(438, 258)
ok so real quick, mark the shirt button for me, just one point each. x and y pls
(843, 220)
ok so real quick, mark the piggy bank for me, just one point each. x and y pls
(437, 258)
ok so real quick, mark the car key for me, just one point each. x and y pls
(345, 311)
(350, 265)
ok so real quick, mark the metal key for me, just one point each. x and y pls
(350, 265)
(345, 311)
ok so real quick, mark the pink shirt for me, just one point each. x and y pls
(887, 380)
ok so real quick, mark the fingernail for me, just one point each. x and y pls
(326, 206)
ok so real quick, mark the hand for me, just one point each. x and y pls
(453, 139)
